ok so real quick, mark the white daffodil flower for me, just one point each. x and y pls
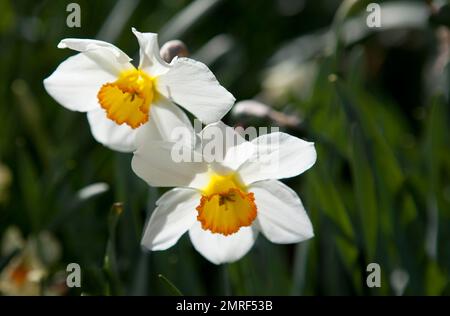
(225, 204)
(119, 98)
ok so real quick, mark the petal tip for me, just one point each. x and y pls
(62, 45)
(310, 234)
(46, 83)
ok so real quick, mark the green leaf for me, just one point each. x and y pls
(110, 262)
(330, 202)
(435, 279)
(175, 291)
(364, 188)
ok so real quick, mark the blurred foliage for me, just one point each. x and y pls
(374, 100)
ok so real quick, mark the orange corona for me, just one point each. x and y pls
(128, 99)
(225, 205)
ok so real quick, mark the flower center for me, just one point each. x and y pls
(225, 205)
(128, 99)
(19, 274)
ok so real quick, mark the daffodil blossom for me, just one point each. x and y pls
(119, 98)
(225, 204)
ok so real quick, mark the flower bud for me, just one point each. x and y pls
(173, 48)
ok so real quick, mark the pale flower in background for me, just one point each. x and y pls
(225, 204)
(28, 267)
(119, 98)
(23, 275)
(288, 78)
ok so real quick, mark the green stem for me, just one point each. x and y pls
(113, 286)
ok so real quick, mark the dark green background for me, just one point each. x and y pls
(375, 102)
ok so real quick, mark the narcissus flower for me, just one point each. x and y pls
(24, 274)
(120, 98)
(225, 203)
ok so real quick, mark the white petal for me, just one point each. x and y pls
(165, 117)
(278, 156)
(174, 215)
(220, 249)
(223, 145)
(171, 121)
(77, 80)
(149, 130)
(150, 59)
(96, 46)
(281, 216)
(193, 86)
(168, 164)
(109, 133)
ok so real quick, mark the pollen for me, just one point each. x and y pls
(225, 205)
(128, 99)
